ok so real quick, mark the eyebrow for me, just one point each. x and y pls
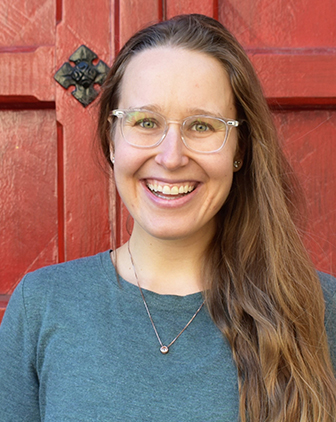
(202, 111)
(190, 111)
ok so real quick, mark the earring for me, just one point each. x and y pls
(112, 159)
(236, 164)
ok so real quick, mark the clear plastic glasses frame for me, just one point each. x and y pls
(143, 128)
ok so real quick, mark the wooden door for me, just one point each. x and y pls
(292, 46)
(54, 196)
(57, 204)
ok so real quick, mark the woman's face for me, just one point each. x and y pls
(176, 83)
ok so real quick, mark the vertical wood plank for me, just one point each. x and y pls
(86, 202)
(309, 142)
(134, 17)
(179, 7)
(28, 218)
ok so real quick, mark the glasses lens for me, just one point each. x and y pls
(143, 128)
(204, 134)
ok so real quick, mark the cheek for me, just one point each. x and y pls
(220, 181)
(122, 155)
(127, 166)
(221, 169)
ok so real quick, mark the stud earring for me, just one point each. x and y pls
(236, 164)
(112, 159)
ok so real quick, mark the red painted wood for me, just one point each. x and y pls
(3, 303)
(292, 46)
(309, 141)
(280, 23)
(60, 193)
(27, 23)
(28, 148)
(54, 195)
(28, 218)
(134, 16)
(179, 7)
(297, 77)
(86, 223)
(28, 74)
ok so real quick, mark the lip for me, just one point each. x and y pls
(171, 201)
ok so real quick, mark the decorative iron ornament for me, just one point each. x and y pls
(83, 75)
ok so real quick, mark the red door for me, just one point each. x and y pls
(56, 203)
(292, 45)
(54, 196)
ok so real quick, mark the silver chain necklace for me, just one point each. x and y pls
(163, 349)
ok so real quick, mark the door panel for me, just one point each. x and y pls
(27, 23)
(25, 76)
(28, 219)
(280, 24)
(309, 142)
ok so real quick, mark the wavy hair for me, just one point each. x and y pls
(261, 288)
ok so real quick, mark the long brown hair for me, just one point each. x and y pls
(261, 290)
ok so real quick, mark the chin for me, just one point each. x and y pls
(172, 232)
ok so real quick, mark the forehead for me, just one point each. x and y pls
(175, 77)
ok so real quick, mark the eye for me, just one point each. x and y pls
(201, 127)
(143, 120)
(147, 123)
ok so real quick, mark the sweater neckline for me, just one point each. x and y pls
(154, 298)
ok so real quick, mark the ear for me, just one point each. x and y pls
(238, 159)
(112, 154)
(237, 164)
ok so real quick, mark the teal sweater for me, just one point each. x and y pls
(77, 346)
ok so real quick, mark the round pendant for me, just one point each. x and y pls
(164, 350)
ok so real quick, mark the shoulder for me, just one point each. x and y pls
(67, 275)
(328, 284)
(63, 285)
(58, 291)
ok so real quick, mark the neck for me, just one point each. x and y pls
(163, 266)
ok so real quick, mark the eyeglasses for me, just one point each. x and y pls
(147, 129)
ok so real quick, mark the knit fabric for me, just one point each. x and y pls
(76, 344)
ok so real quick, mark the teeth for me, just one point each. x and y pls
(174, 190)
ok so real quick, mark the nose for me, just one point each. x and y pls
(172, 151)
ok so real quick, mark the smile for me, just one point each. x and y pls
(176, 190)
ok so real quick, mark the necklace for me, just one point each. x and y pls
(163, 349)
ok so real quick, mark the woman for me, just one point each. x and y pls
(212, 311)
